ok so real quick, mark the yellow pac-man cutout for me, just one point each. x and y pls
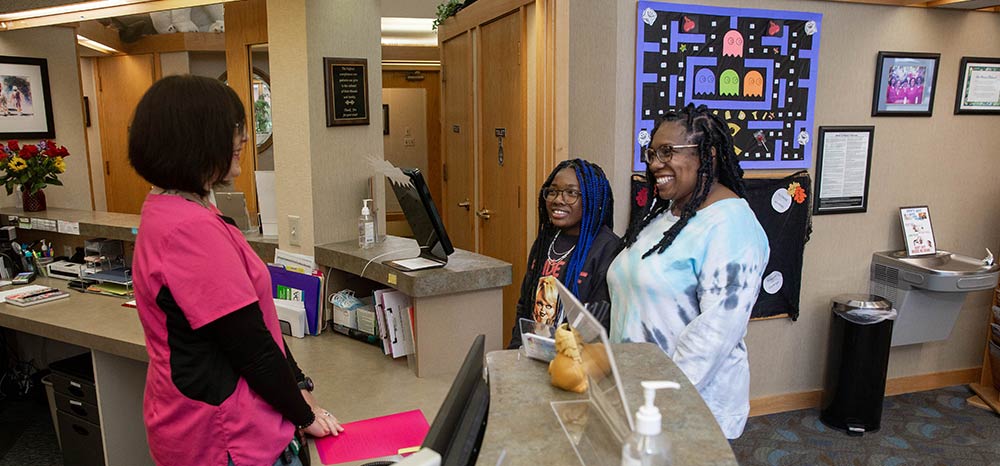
(755, 115)
(715, 112)
(733, 129)
(729, 115)
(737, 150)
(742, 115)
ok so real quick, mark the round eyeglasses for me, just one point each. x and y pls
(662, 154)
(569, 196)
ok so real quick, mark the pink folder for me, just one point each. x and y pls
(375, 437)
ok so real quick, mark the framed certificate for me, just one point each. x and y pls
(978, 86)
(843, 166)
(917, 231)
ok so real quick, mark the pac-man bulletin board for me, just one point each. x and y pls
(757, 68)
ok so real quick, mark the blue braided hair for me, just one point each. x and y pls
(598, 205)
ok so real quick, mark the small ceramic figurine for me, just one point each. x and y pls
(566, 369)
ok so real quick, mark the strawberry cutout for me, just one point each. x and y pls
(772, 28)
(688, 25)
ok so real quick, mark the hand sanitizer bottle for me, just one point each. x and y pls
(366, 226)
(647, 445)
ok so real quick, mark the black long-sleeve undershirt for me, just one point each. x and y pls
(248, 344)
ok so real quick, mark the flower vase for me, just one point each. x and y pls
(33, 202)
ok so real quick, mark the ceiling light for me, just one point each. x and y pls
(96, 9)
(408, 25)
(95, 45)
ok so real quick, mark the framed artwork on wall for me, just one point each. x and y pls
(25, 101)
(904, 84)
(978, 86)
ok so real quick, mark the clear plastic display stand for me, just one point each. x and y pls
(597, 426)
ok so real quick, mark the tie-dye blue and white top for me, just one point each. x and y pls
(694, 300)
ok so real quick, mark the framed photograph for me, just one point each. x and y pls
(843, 168)
(904, 84)
(978, 86)
(917, 231)
(385, 119)
(25, 101)
(346, 91)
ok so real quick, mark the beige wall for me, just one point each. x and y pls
(307, 153)
(407, 121)
(946, 161)
(58, 46)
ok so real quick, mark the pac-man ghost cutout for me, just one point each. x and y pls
(732, 44)
(704, 82)
(729, 83)
(753, 84)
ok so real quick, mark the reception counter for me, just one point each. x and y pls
(523, 429)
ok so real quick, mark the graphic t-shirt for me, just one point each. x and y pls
(539, 301)
(191, 268)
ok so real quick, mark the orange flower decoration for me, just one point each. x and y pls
(797, 192)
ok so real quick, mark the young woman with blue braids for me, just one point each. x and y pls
(574, 245)
(692, 262)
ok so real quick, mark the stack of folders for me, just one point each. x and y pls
(36, 295)
(300, 287)
(394, 318)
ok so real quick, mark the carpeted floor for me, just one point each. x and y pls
(931, 428)
(27, 436)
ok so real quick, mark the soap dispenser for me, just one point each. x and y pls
(647, 445)
(366, 226)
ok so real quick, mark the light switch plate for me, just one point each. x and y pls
(293, 230)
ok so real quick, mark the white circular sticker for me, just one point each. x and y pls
(773, 282)
(781, 200)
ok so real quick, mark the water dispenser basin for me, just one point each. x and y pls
(942, 263)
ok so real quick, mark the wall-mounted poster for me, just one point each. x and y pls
(756, 68)
(917, 231)
(843, 169)
(25, 102)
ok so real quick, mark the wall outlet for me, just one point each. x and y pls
(293, 230)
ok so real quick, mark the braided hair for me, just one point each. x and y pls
(709, 132)
(598, 205)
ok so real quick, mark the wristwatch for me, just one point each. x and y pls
(306, 384)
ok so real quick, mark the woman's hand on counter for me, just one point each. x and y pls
(325, 424)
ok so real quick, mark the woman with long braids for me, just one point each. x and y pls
(574, 245)
(692, 262)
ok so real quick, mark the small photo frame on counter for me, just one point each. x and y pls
(918, 234)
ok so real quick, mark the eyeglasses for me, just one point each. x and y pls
(662, 154)
(569, 196)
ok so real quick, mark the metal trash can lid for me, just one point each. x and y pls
(861, 301)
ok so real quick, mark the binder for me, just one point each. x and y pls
(286, 284)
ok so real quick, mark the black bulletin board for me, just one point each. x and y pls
(346, 91)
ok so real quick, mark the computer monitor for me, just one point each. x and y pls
(422, 215)
(457, 431)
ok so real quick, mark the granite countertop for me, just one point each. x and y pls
(84, 319)
(111, 225)
(524, 428)
(466, 271)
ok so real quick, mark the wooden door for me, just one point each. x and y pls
(121, 82)
(502, 182)
(458, 153)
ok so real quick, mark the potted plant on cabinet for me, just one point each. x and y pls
(30, 168)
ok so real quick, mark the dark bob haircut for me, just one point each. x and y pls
(182, 133)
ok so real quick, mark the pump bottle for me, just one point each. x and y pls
(647, 445)
(366, 226)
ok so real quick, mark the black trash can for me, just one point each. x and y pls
(860, 334)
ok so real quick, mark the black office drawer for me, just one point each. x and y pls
(81, 441)
(74, 377)
(74, 388)
(80, 409)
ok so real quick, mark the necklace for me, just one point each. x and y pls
(183, 194)
(558, 256)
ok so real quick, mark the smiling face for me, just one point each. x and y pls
(675, 180)
(564, 213)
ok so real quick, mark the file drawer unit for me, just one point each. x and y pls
(76, 408)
